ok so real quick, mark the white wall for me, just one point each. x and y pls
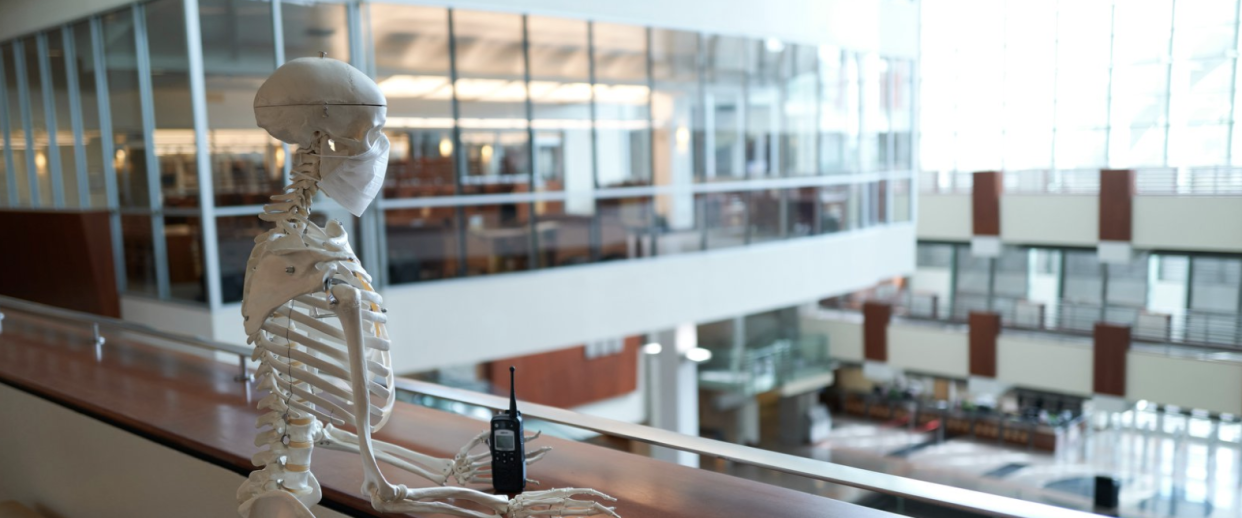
(1045, 363)
(946, 217)
(933, 280)
(1049, 219)
(62, 463)
(470, 320)
(1207, 384)
(930, 349)
(1193, 223)
(1204, 223)
(844, 332)
(478, 319)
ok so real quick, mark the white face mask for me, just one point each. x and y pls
(353, 181)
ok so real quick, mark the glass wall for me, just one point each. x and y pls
(1078, 85)
(518, 142)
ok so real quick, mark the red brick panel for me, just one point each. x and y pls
(1116, 202)
(1111, 344)
(60, 258)
(985, 202)
(876, 316)
(567, 378)
(984, 328)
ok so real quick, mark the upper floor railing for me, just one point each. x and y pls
(1181, 181)
(776, 363)
(1197, 328)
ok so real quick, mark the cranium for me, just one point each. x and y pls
(333, 109)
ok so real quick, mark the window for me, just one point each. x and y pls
(239, 53)
(130, 157)
(724, 79)
(622, 105)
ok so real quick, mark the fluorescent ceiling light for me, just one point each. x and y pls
(698, 355)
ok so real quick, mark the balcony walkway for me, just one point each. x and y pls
(192, 404)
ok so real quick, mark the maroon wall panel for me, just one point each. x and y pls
(984, 328)
(876, 316)
(61, 259)
(1116, 202)
(1111, 344)
(985, 203)
(567, 378)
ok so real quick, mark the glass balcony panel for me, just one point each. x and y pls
(423, 244)
(626, 227)
(498, 238)
(725, 215)
(138, 246)
(183, 237)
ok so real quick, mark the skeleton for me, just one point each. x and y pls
(319, 329)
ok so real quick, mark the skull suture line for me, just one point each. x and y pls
(318, 327)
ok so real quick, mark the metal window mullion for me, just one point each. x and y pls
(155, 194)
(23, 99)
(278, 48)
(778, 166)
(651, 161)
(820, 170)
(75, 116)
(596, 232)
(744, 119)
(10, 179)
(861, 80)
(891, 159)
(206, 189)
(1108, 103)
(459, 156)
(650, 107)
(916, 120)
(1233, 91)
(706, 121)
(379, 216)
(49, 117)
(1168, 84)
(111, 197)
(775, 135)
(369, 221)
(1056, 78)
(532, 238)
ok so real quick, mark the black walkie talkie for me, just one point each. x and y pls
(508, 448)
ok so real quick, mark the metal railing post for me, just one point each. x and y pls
(243, 375)
(98, 341)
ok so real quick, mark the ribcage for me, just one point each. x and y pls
(305, 362)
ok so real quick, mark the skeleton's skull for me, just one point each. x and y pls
(308, 99)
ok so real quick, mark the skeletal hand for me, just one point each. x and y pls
(558, 502)
(477, 468)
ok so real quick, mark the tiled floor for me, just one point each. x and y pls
(1180, 473)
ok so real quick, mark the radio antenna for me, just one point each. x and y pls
(512, 395)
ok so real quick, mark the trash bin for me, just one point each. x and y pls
(1107, 492)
